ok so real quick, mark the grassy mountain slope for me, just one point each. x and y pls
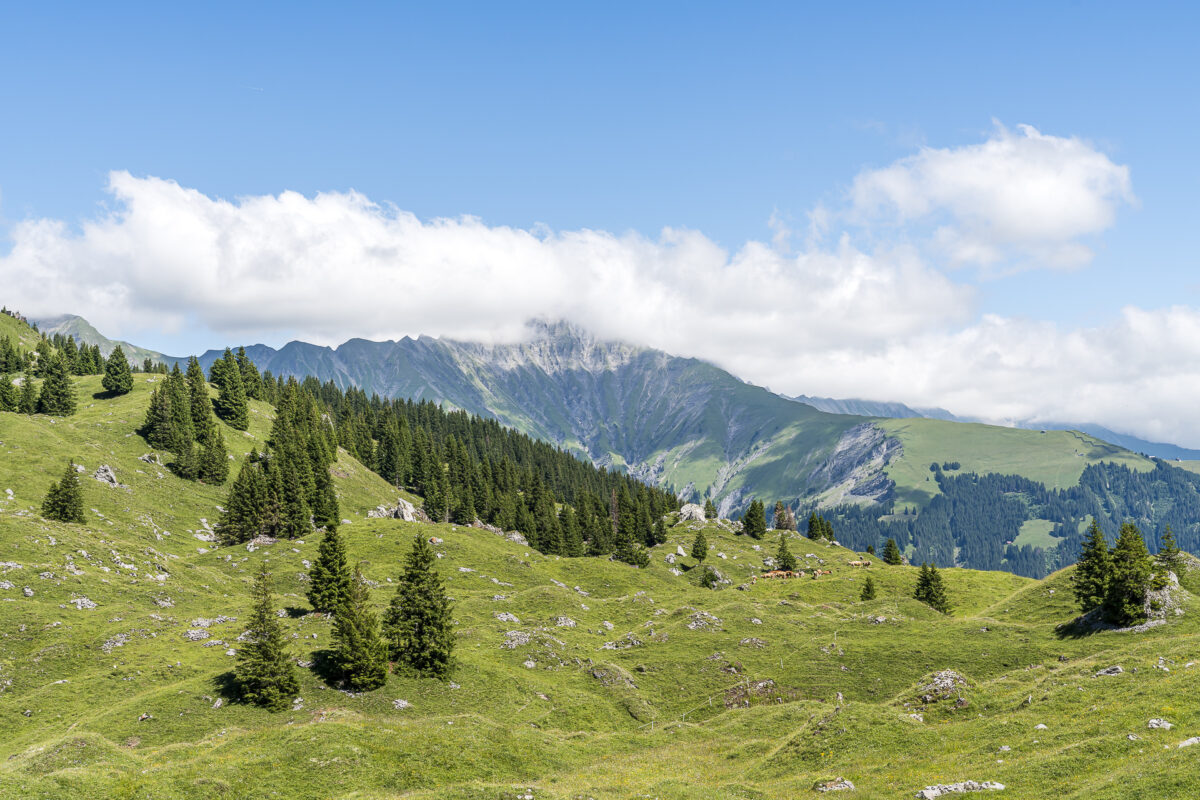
(84, 332)
(1054, 458)
(560, 713)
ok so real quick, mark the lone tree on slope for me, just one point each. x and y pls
(264, 672)
(418, 626)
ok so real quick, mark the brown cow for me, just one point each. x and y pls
(819, 572)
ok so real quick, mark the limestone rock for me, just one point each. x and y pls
(104, 474)
(838, 784)
(691, 513)
(1116, 669)
(942, 789)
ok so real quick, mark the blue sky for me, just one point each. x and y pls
(612, 117)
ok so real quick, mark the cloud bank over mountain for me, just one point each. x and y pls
(875, 304)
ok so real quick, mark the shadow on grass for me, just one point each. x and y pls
(106, 395)
(296, 612)
(228, 687)
(324, 667)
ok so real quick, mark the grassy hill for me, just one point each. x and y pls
(1054, 458)
(610, 682)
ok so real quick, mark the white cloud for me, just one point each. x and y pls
(837, 320)
(337, 265)
(1026, 196)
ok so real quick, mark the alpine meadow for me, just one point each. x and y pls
(621, 402)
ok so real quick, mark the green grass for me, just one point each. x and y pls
(562, 717)
(1055, 458)
(1036, 533)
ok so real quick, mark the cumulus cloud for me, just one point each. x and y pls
(836, 319)
(1021, 196)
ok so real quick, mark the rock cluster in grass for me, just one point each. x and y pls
(942, 789)
(703, 621)
(402, 509)
(838, 784)
(105, 474)
(691, 513)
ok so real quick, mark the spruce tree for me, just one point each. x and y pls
(418, 626)
(930, 589)
(326, 513)
(9, 399)
(868, 590)
(245, 505)
(660, 531)
(700, 547)
(891, 553)
(28, 402)
(1169, 554)
(214, 461)
(329, 577)
(200, 404)
(814, 526)
(58, 393)
(710, 510)
(359, 652)
(572, 533)
(436, 501)
(1093, 571)
(265, 674)
(251, 380)
(117, 377)
(784, 557)
(231, 404)
(1125, 596)
(754, 522)
(64, 500)
(627, 550)
(784, 519)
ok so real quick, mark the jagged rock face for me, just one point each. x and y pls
(854, 471)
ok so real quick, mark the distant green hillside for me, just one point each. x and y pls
(82, 330)
(577, 677)
(1053, 458)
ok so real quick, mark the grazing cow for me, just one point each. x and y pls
(859, 563)
(819, 572)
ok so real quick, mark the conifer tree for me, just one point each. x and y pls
(627, 550)
(814, 526)
(265, 673)
(418, 626)
(1093, 571)
(199, 403)
(754, 522)
(868, 590)
(1125, 596)
(117, 377)
(329, 577)
(231, 404)
(660, 531)
(710, 510)
(572, 534)
(294, 518)
(784, 519)
(9, 399)
(64, 500)
(28, 402)
(359, 652)
(214, 461)
(436, 503)
(246, 505)
(326, 513)
(891, 553)
(1169, 554)
(930, 589)
(58, 393)
(252, 382)
(700, 547)
(784, 557)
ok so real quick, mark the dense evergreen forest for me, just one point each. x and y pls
(976, 519)
(465, 467)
